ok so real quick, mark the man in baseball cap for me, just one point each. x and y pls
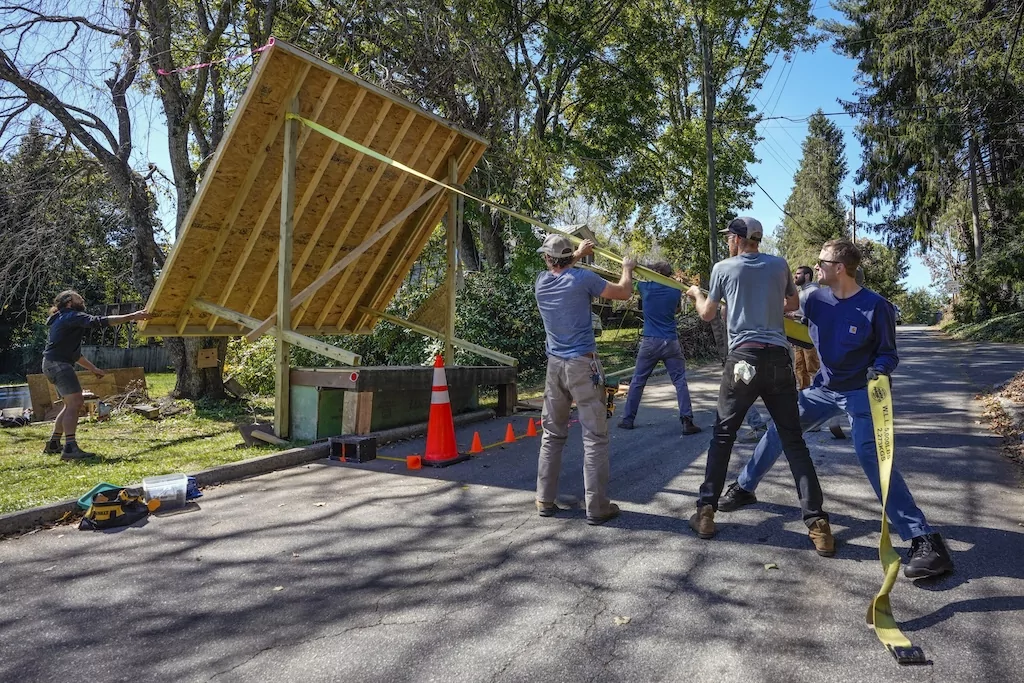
(746, 227)
(574, 373)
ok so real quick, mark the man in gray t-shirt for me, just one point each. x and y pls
(757, 289)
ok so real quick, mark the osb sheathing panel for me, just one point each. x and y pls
(227, 251)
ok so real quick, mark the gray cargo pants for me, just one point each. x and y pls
(569, 380)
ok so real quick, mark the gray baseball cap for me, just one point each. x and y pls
(556, 246)
(746, 227)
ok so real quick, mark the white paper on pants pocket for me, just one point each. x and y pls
(743, 372)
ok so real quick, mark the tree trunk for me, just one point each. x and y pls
(468, 252)
(194, 382)
(491, 236)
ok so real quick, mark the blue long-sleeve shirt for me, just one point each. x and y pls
(851, 335)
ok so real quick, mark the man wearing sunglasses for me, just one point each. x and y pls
(757, 289)
(854, 331)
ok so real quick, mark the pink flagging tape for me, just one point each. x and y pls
(203, 65)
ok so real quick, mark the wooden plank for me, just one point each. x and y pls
(39, 395)
(339, 193)
(315, 286)
(268, 438)
(284, 273)
(225, 329)
(401, 378)
(451, 235)
(294, 337)
(358, 209)
(262, 67)
(385, 248)
(268, 205)
(508, 396)
(357, 410)
(242, 194)
(388, 286)
(427, 332)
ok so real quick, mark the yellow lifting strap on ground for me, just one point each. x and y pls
(880, 611)
(796, 332)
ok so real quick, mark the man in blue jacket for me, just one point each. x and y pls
(660, 342)
(854, 332)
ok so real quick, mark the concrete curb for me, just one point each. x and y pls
(25, 520)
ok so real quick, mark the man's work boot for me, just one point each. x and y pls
(928, 557)
(625, 424)
(735, 497)
(611, 513)
(688, 426)
(53, 448)
(547, 509)
(75, 453)
(703, 521)
(820, 534)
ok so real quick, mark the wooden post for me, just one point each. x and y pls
(284, 273)
(451, 237)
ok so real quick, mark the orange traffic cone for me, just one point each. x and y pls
(476, 446)
(441, 447)
(510, 434)
(531, 429)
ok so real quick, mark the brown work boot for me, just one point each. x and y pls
(703, 521)
(547, 509)
(612, 513)
(820, 534)
(53, 448)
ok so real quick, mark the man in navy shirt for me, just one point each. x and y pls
(68, 323)
(854, 331)
(574, 373)
(660, 342)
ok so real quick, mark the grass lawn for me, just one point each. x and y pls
(129, 446)
(1005, 328)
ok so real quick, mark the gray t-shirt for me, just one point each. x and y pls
(564, 303)
(805, 291)
(754, 287)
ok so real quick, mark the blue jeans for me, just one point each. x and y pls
(818, 405)
(652, 350)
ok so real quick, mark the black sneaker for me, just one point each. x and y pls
(688, 426)
(75, 453)
(928, 556)
(626, 424)
(735, 497)
(53, 448)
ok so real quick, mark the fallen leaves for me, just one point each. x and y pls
(622, 621)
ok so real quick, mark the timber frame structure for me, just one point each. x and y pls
(353, 218)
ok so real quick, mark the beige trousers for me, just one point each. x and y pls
(569, 380)
(805, 364)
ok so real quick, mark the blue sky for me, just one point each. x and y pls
(797, 89)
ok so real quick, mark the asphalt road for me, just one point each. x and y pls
(372, 572)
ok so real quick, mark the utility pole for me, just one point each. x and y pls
(972, 151)
(853, 203)
(709, 113)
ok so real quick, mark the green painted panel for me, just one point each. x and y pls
(304, 412)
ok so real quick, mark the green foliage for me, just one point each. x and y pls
(499, 312)
(252, 364)
(941, 88)
(918, 306)
(1005, 328)
(883, 268)
(59, 229)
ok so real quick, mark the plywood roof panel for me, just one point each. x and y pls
(228, 248)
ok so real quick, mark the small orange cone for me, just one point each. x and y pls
(476, 447)
(510, 434)
(413, 462)
(531, 429)
(441, 447)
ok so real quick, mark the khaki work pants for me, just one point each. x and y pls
(806, 364)
(569, 380)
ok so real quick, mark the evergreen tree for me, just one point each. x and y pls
(814, 211)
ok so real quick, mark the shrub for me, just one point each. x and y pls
(252, 364)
